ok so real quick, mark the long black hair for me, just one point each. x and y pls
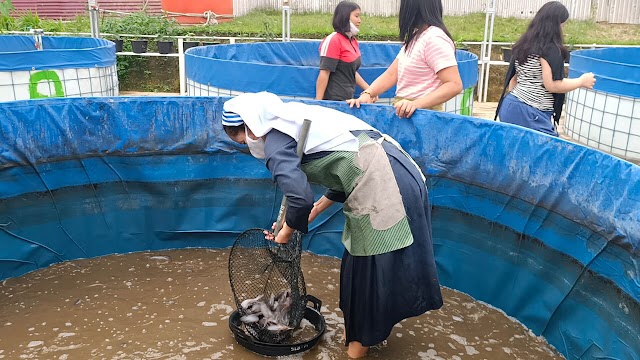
(545, 28)
(342, 16)
(416, 16)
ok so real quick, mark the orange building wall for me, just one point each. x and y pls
(219, 7)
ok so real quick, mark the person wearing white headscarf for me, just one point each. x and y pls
(388, 270)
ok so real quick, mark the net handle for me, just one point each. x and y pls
(302, 141)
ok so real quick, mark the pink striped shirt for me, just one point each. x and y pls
(431, 52)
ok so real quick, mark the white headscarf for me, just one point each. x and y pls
(330, 129)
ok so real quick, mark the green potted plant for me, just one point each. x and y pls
(165, 45)
(118, 29)
(117, 39)
(189, 44)
(139, 46)
(137, 23)
(164, 29)
(119, 43)
(140, 23)
(114, 27)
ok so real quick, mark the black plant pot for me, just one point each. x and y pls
(139, 46)
(119, 44)
(165, 47)
(190, 44)
(506, 54)
(210, 43)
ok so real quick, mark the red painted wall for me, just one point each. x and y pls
(67, 9)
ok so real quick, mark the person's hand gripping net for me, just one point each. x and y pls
(283, 236)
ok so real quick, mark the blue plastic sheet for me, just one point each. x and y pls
(617, 70)
(547, 230)
(19, 53)
(263, 66)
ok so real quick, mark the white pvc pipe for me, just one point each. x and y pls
(482, 52)
(181, 67)
(288, 24)
(94, 19)
(485, 52)
(490, 45)
(485, 56)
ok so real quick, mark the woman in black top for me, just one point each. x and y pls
(340, 56)
(535, 77)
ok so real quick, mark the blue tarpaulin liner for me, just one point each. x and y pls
(19, 53)
(263, 66)
(617, 70)
(547, 230)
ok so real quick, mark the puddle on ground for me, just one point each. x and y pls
(176, 305)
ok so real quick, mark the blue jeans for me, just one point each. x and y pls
(514, 111)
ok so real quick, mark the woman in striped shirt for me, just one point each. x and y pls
(535, 77)
(425, 71)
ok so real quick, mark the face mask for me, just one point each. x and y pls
(256, 147)
(353, 29)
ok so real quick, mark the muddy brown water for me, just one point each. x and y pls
(176, 305)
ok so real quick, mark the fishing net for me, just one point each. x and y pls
(268, 285)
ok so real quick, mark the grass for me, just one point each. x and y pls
(268, 24)
(463, 28)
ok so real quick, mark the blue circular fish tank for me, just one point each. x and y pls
(290, 69)
(63, 67)
(606, 117)
(544, 229)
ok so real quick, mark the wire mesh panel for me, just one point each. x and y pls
(38, 84)
(605, 121)
(462, 104)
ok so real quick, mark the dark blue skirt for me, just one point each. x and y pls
(377, 292)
